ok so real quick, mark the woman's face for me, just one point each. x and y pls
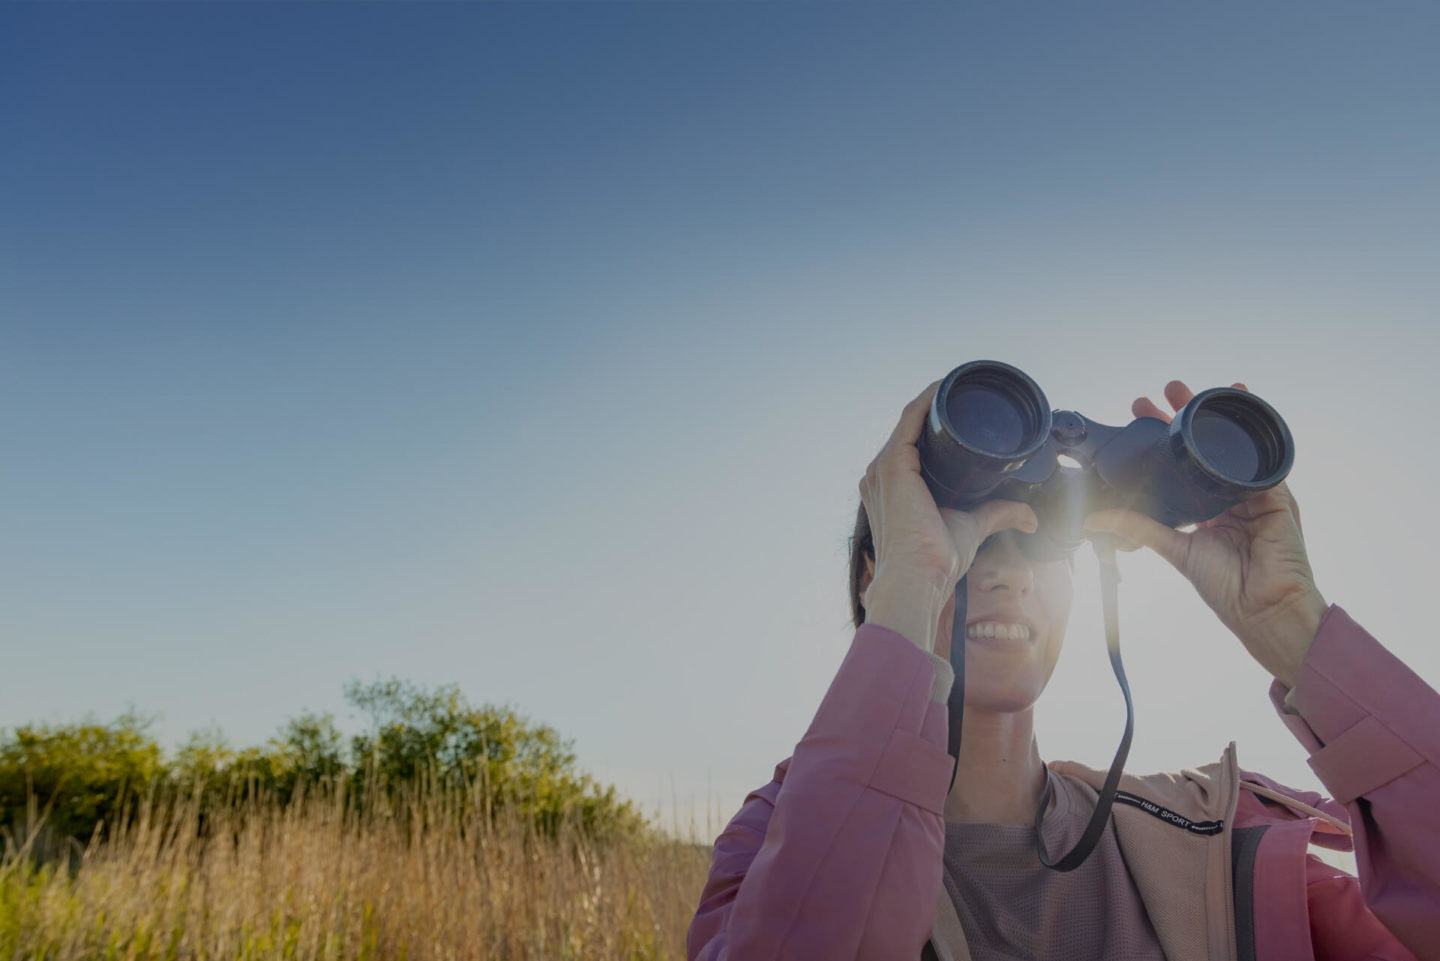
(1010, 594)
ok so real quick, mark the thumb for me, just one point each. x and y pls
(999, 515)
(1140, 529)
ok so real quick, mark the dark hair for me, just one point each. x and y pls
(861, 547)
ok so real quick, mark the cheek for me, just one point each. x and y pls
(1051, 657)
(1059, 592)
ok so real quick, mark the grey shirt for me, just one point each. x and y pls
(1013, 907)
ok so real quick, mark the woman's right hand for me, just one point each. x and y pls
(913, 538)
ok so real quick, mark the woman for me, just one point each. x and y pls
(856, 850)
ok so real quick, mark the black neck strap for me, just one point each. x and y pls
(1109, 587)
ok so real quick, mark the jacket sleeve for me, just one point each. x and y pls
(1342, 928)
(840, 856)
(1372, 727)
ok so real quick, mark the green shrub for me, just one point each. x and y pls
(511, 762)
(81, 777)
(78, 776)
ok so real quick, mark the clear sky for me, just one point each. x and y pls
(539, 348)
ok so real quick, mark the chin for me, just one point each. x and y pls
(1009, 701)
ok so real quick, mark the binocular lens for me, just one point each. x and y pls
(1240, 441)
(989, 415)
(985, 420)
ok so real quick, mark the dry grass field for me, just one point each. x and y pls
(315, 878)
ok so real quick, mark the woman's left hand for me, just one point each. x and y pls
(1248, 563)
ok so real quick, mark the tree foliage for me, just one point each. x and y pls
(77, 775)
(81, 776)
(509, 761)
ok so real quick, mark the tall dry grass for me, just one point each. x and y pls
(426, 875)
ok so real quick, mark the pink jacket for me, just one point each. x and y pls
(840, 855)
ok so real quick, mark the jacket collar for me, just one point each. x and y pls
(1169, 858)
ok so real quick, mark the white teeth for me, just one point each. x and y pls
(1007, 632)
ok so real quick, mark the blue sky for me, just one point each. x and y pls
(539, 348)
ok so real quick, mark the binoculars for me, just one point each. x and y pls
(991, 435)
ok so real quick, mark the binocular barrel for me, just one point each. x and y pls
(991, 434)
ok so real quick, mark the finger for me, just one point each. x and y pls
(1240, 387)
(1178, 394)
(1283, 489)
(1145, 407)
(912, 418)
(1167, 542)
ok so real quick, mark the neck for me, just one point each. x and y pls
(999, 778)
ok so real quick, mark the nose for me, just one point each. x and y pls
(1002, 565)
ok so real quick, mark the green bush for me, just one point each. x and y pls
(77, 776)
(511, 762)
(82, 776)
(308, 749)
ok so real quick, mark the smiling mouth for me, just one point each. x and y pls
(997, 631)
